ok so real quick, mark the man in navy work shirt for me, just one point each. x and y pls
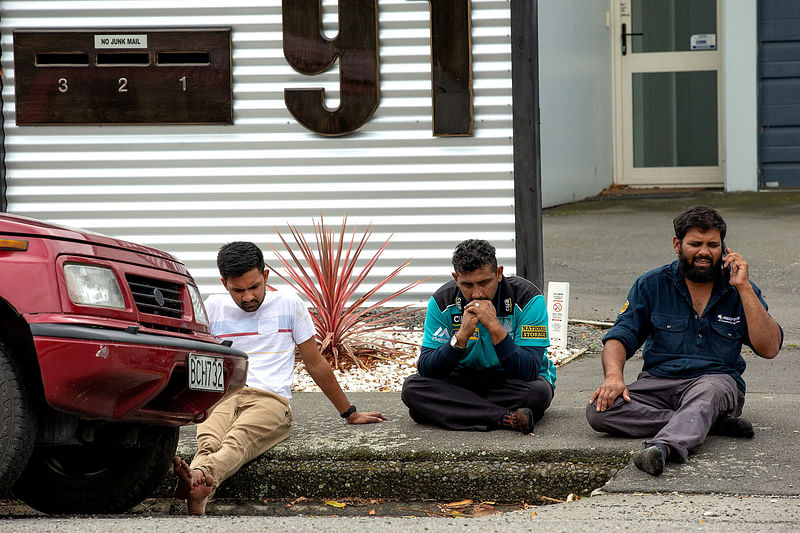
(483, 362)
(693, 316)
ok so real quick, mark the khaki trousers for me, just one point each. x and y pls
(240, 429)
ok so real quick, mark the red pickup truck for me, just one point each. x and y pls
(104, 353)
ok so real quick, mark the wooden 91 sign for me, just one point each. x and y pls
(357, 49)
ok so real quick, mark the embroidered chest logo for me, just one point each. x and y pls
(534, 332)
(442, 334)
(732, 320)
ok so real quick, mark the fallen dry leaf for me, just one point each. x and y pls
(533, 514)
(458, 505)
(371, 512)
(334, 503)
(483, 509)
(572, 497)
(296, 500)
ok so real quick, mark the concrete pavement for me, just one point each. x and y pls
(402, 460)
(600, 246)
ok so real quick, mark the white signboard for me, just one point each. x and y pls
(558, 312)
(703, 41)
(120, 41)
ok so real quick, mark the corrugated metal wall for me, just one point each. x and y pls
(779, 93)
(190, 189)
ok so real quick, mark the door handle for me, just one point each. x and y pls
(625, 38)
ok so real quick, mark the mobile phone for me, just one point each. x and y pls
(726, 270)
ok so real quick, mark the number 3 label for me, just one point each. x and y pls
(62, 85)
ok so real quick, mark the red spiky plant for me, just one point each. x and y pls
(329, 281)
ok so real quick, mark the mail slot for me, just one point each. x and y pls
(123, 76)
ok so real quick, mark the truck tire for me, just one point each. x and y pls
(18, 419)
(92, 479)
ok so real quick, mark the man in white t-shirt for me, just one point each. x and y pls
(268, 326)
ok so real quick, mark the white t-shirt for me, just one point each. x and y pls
(268, 335)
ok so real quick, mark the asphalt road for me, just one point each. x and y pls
(619, 512)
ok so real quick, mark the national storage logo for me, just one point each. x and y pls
(534, 332)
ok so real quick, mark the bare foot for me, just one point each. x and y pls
(200, 494)
(184, 474)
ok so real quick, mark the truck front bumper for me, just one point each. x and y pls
(124, 375)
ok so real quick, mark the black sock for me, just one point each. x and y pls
(664, 450)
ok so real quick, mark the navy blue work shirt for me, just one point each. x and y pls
(679, 343)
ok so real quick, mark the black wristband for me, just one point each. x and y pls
(349, 411)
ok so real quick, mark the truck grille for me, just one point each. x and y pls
(156, 297)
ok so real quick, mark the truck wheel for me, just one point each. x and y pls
(95, 478)
(17, 421)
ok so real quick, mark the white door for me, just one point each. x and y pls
(667, 93)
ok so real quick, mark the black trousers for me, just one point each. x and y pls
(472, 401)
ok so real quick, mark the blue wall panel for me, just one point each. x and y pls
(779, 93)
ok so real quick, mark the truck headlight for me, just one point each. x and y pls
(93, 285)
(200, 315)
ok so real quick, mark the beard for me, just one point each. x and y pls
(250, 306)
(698, 274)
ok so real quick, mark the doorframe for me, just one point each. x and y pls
(654, 179)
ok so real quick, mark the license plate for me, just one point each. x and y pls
(206, 373)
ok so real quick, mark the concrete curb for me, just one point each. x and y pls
(405, 461)
(401, 460)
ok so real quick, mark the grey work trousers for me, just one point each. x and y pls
(675, 412)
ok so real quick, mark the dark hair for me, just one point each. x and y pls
(701, 217)
(472, 254)
(237, 258)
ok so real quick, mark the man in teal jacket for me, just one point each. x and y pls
(483, 362)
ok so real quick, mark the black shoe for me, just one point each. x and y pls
(650, 460)
(730, 426)
(524, 418)
(520, 420)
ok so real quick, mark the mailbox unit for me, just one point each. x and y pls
(134, 76)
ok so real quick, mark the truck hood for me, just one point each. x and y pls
(23, 226)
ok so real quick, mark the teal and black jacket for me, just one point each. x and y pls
(522, 311)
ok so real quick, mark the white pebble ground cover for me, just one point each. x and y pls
(388, 376)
